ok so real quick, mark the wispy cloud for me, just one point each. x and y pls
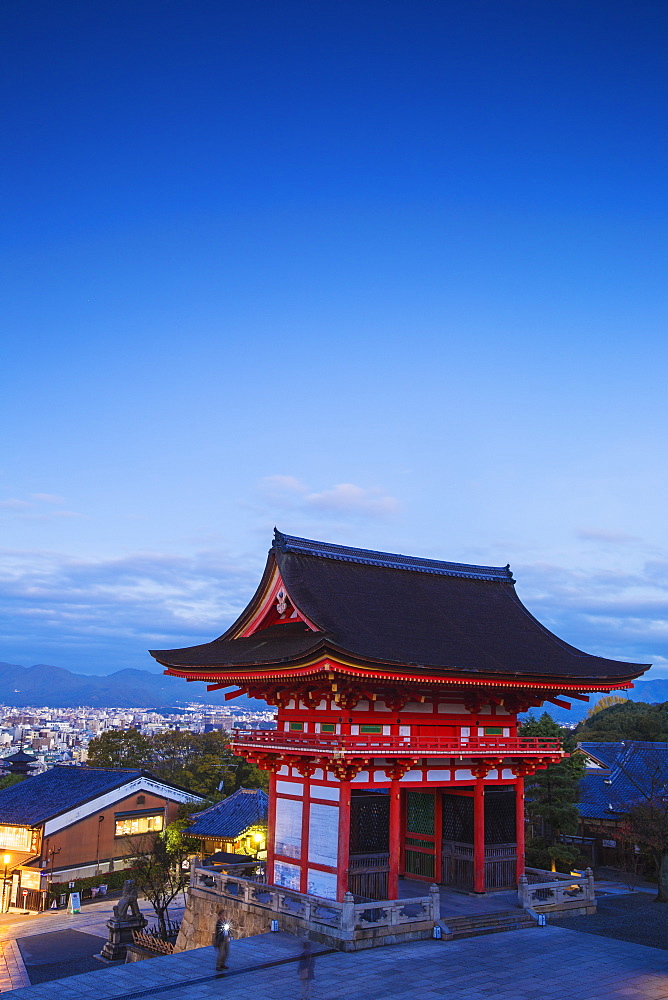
(607, 537)
(35, 509)
(110, 611)
(622, 615)
(343, 498)
(13, 504)
(48, 497)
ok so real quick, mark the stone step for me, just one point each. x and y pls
(459, 935)
(485, 918)
(486, 923)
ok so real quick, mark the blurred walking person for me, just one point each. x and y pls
(221, 941)
(306, 970)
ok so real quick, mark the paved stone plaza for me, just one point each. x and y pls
(547, 963)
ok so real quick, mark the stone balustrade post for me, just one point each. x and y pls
(523, 890)
(591, 892)
(348, 917)
(435, 894)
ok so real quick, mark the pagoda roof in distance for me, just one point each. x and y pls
(403, 611)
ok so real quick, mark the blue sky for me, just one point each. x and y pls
(390, 274)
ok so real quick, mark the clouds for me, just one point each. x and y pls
(97, 615)
(38, 507)
(618, 614)
(344, 498)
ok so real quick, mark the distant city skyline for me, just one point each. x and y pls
(387, 274)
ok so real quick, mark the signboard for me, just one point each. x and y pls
(74, 904)
(30, 879)
(609, 843)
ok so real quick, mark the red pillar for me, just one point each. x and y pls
(479, 835)
(344, 840)
(271, 828)
(395, 840)
(519, 824)
(306, 817)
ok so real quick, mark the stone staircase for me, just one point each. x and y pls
(456, 928)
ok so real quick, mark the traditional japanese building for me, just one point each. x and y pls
(398, 681)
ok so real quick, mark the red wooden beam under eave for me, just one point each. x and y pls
(560, 702)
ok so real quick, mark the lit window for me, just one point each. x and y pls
(128, 826)
(15, 838)
(493, 730)
(371, 729)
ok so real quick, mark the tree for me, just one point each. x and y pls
(626, 720)
(119, 748)
(645, 825)
(552, 794)
(11, 779)
(201, 762)
(158, 868)
(606, 702)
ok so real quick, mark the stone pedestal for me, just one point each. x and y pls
(120, 936)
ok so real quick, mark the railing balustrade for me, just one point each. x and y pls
(556, 891)
(341, 745)
(342, 920)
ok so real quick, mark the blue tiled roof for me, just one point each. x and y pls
(638, 772)
(55, 791)
(230, 818)
(606, 753)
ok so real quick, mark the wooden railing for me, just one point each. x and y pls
(556, 891)
(368, 874)
(338, 746)
(500, 865)
(340, 921)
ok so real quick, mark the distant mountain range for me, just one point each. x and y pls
(59, 688)
(46, 685)
(649, 691)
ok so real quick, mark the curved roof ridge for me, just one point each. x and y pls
(390, 560)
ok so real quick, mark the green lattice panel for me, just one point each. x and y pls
(420, 813)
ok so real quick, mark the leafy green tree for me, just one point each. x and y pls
(552, 794)
(11, 779)
(627, 720)
(119, 748)
(201, 762)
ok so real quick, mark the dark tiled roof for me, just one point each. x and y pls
(228, 819)
(433, 616)
(21, 757)
(388, 560)
(639, 772)
(55, 791)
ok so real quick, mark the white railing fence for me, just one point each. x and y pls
(343, 920)
(539, 890)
